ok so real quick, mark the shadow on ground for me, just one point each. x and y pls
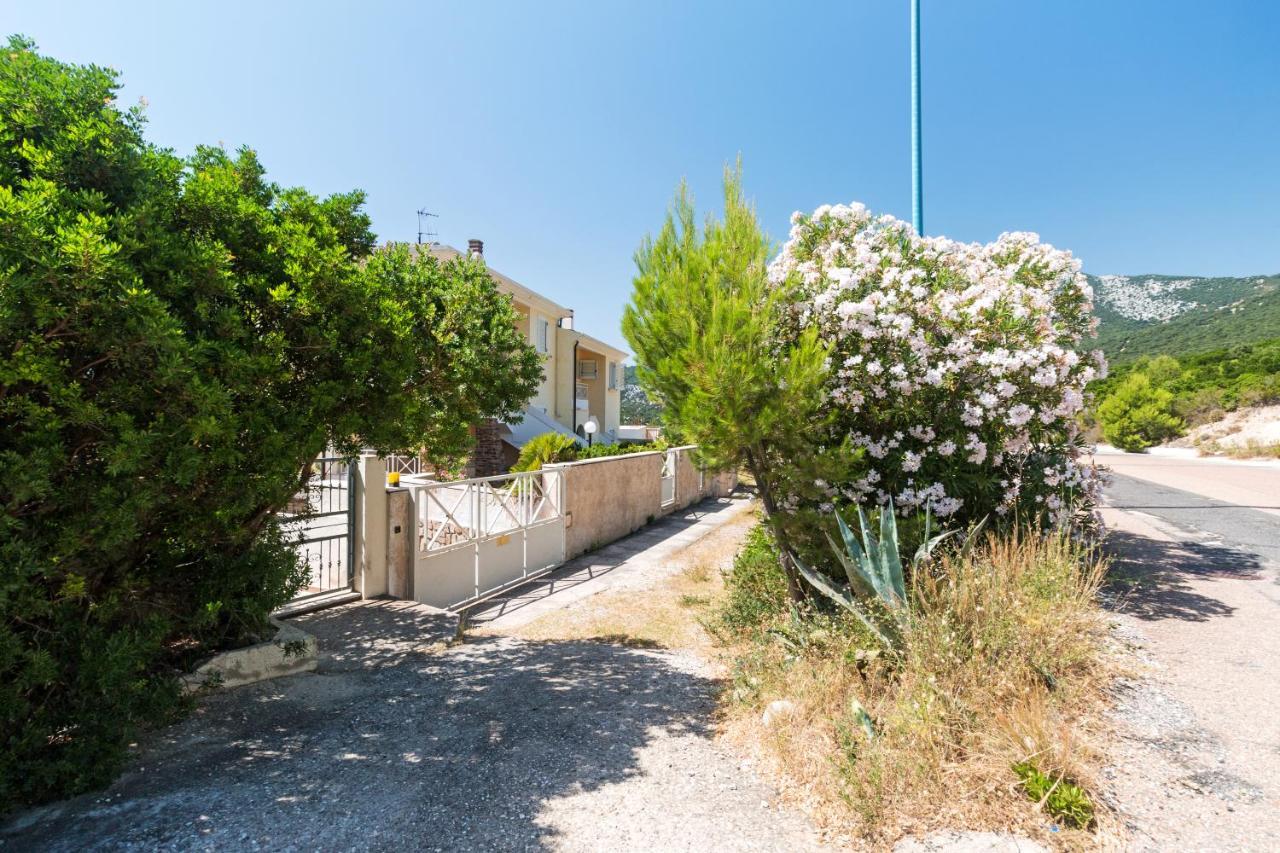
(392, 743)
(1151, 579)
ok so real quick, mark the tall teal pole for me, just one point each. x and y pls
(917, 167)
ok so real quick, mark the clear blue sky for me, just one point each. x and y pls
(1144, 136)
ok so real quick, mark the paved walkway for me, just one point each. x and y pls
(396, 742)
(1196, 586)
(638, 560)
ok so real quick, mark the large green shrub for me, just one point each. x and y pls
(179, 339)
(1137, 415)
(1205, 385)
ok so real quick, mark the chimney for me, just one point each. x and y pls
(475, 248)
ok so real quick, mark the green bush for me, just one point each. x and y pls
(1202, 406)
(1137, 415)
(756, 586)
(597, 451)
(552, 447)
(179, 339)
(1258, 389)
(545, 449)
(1208, 384)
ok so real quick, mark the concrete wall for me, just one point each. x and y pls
(370, 496)
(564, 381)
(608, 498)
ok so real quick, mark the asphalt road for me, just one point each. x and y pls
(1244, 527)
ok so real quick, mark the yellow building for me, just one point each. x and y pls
(582, 376)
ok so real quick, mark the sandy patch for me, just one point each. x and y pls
(1245, 432)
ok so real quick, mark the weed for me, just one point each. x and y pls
(1061, 798)
(757, 587)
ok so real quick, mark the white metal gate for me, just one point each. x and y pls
(669, 463)
(475, 538)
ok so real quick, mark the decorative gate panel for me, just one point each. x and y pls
(476, 538)
(322, 518)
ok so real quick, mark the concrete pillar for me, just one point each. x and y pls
(400, 543)
(371, 527)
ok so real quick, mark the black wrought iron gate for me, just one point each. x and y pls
(322, 517)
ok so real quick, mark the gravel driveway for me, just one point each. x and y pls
(395, 743)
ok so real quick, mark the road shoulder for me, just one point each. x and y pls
(1195, 763)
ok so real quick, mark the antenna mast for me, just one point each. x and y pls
(424, 224)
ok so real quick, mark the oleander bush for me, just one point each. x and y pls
(954, 371)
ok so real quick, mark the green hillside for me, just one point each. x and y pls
(1251, 321)
(1154, 314)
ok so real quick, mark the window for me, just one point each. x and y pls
(542, 336)
(613, 376)
(587, 369)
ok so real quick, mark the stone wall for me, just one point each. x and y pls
(610, 497)
(488, 459)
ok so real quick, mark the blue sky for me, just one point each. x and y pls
(1143, 135)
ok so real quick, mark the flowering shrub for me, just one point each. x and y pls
(953, 368)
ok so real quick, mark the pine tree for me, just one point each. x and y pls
(703, 323)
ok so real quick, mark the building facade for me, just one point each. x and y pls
(582, 376)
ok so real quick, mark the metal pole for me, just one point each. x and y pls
(917, 181)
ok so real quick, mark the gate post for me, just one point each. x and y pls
(369, 497)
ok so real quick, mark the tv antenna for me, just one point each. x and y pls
(424, 224)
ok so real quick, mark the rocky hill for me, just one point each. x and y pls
(1151, 314)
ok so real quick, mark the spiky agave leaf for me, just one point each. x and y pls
(889, 557)
(862, 718)
(844, 598)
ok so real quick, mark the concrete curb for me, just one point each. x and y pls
(290, 651)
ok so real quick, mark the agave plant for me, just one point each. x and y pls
(875, 572)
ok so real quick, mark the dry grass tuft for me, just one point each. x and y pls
(1001, 659)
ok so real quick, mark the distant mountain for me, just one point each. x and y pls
(1178, 315)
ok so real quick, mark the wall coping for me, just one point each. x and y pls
(560, 465)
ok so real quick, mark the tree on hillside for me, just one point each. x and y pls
(1138, 414)
(179, 339)
(702, 322)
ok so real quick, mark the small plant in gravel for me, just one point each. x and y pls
(1061, 798)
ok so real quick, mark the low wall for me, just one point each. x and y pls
(608, 498)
